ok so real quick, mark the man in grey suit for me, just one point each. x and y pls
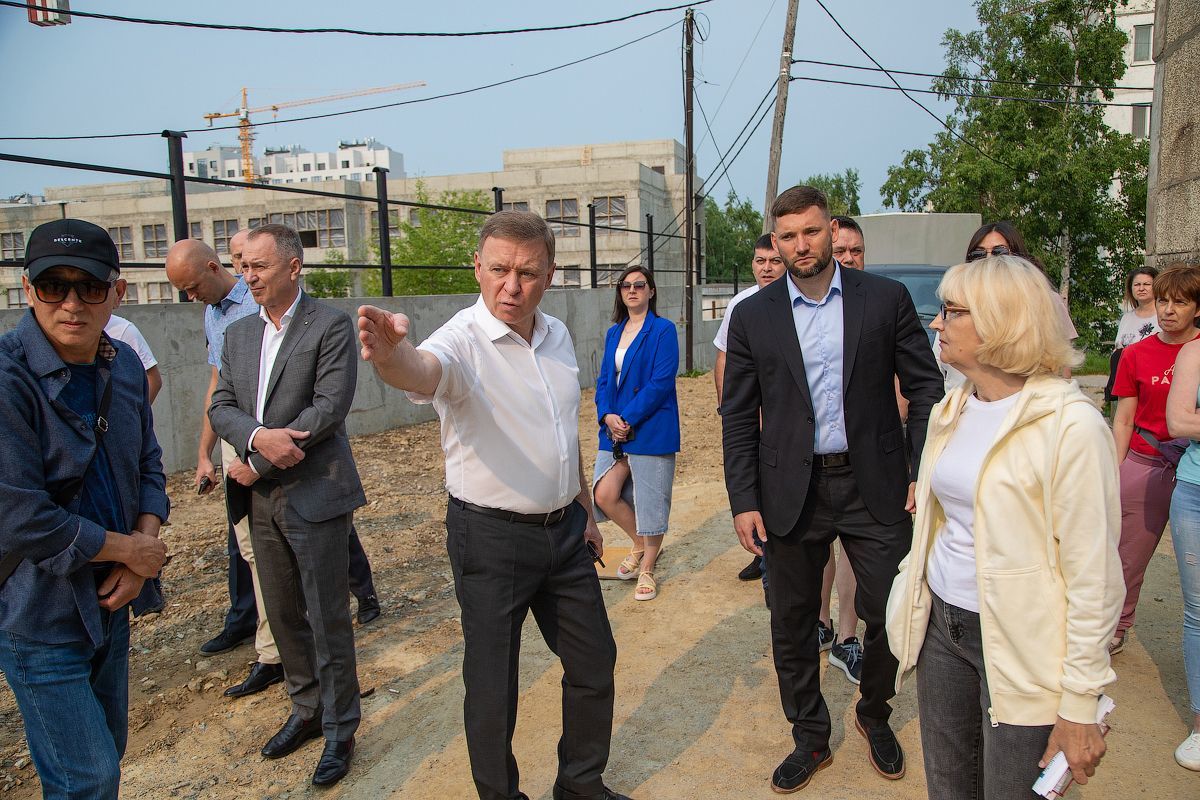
(286, 384)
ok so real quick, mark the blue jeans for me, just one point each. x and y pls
(1185, 533)
(74, 702)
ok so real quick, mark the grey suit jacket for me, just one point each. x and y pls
(311, 388)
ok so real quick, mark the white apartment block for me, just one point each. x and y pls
(1137, 20)
(352, 161)
(624, 181)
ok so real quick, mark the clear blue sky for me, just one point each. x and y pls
(104, 77)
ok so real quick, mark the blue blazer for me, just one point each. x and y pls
(645, 395)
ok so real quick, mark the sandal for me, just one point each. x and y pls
(647, 589)
(1117, 644)
(628, 568)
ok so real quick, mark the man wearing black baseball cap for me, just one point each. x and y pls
(83, 489)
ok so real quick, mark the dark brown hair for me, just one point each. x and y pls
(1151, 271)
(1012, 236)
(798, 199)
(620, 312)
(1178, 281)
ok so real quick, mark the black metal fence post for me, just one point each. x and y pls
(179, 219)
(699, 255)
(592, 242)
(650, 242)
(498, 198)
(385, 231)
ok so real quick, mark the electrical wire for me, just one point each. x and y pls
(914, 100)
(350, 111)
(348, 31)
(979, 78)
(1036, 100)
(742, 63)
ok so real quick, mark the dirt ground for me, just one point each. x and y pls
(697, 707)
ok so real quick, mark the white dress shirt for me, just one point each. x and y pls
(509, 411)
(271, 341)
(721, 341)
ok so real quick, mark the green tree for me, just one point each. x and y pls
(1074, 187)
(841, 189)
(729, 240)
(438, 239)
(321, 282)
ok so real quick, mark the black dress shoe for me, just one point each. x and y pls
(886, 756)
(368, 609)
(227, 640)
(798, 769)
(334, 763)
(752, 571)
(605, 793)
(294, 733)
(261, 676)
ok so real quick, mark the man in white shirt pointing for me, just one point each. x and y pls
(503, 378)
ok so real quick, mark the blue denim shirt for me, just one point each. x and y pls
(44, 447)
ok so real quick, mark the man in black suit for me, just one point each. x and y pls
(815, 355)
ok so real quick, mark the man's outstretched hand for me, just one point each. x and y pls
(380, 332)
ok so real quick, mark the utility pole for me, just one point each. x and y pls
(781, 95)
(688, 190)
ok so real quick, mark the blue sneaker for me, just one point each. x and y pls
(847, 656)
(825, 637)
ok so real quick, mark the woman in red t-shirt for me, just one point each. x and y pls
(1142, 384)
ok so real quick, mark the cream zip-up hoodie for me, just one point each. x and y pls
(1047, 523)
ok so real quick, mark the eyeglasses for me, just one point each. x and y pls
(980, 252)
(950, 312)
(54, 290)
(639, 285)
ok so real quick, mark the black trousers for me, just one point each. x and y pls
(502, 571)
(833, 508)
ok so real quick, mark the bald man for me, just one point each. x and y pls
(236, 243)
(195, 269)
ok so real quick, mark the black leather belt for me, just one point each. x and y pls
(827, 460)
(545, 520)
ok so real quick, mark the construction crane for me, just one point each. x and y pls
(246, 127)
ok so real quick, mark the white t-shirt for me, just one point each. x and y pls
(124, 330)
(509, 411)
(619, 359)
(1133, 328)
(955, 476)
(722, 338)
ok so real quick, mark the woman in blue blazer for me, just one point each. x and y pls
(638, 413)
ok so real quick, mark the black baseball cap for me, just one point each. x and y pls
(71, 243)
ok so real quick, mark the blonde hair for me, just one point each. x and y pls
(1013, 310)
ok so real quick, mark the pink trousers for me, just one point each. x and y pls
(1146, 486)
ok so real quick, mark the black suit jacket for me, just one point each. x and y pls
(768, 469)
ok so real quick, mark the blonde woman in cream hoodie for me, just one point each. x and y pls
(1013, 587)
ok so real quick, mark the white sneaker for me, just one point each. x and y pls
(1188, 753)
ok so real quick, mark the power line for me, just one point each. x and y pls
(979, 78)
(917, 102)
(1036, 100)
(348, 31)
(708, 127)
(742, 63)
(343, 113)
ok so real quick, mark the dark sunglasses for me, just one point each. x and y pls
(639, 285)
(979, 252)
(54, 290)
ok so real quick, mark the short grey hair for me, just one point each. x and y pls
(518, 226)
(287, 241)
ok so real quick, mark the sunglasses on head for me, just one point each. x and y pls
(55, 290)
(639, 285)
(980, 252)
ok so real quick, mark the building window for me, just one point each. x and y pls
(325, 228)
(230, 173)
(607, 274)
(131, 293)
(12, 246)
(661, 170)
(345, 164)
(393, 223)
(160, 292)
(320, 167)
(223, 231)
(266, 170)
(306, 168)
(123, 238)
(194, 231)
(414, 217)
(1141, 122)
(356, 176)
(567, 275)
(154, 241)
(212, 165)
(610, 211)
(517, 206)
(16, 297)
(561, 212)
(255, 222)
(1143, 36)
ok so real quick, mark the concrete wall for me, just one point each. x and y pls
(1173, 202)
(175, 333)
(903, 238)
